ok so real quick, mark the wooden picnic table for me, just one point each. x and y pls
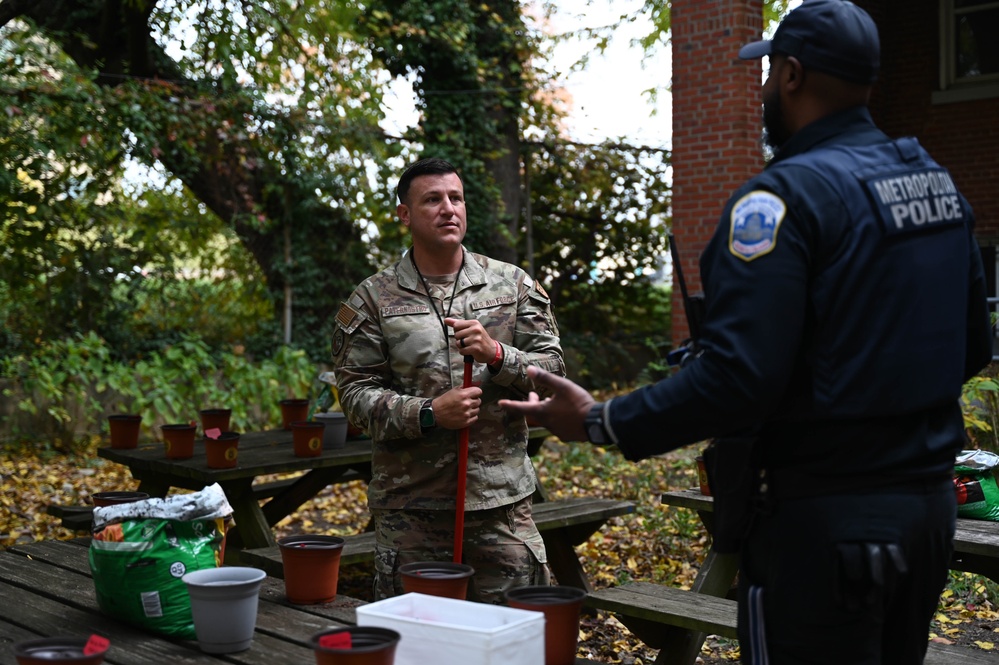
(260, 454)
(48, 591)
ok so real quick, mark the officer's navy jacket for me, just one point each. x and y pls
(845, 307)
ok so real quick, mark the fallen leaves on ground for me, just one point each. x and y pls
(659, 544)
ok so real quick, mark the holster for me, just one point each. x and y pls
(733, 479)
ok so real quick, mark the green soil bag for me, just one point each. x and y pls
(140, 551)
(975, 484)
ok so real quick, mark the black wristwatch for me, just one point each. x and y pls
(427, 419)
(594, 424)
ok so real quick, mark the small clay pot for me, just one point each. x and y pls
(179, 440)
(702, 476)
(355, 645)
(311, 565)
(222, 452)
(293, 410)
(561, 606)
(124, 428)
(436, 578)
(307, 438)
(215, 419)
(59, 649)
(102, 499)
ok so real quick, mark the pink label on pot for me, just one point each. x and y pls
(213, 433)
(96, 644)
(335, 641)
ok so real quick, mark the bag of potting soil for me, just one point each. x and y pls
(975, 484)
(140, 551)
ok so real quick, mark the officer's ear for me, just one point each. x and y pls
(792, 74)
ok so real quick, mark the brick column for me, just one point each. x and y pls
(716, 123)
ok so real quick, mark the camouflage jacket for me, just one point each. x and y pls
(390, 354)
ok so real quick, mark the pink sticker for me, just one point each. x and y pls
(335, 640)
(213, 433)
(96, 644)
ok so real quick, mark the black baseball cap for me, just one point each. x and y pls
(832, 36)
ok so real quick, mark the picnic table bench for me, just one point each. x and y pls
(676, 621)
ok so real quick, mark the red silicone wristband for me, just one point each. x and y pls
(499, 353)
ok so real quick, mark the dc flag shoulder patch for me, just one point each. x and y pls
(755, 221)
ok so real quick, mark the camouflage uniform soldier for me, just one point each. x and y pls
(398, 350)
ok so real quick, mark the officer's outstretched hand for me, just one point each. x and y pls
(563, 413)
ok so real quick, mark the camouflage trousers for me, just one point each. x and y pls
(502, 544)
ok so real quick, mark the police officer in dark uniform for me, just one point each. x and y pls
(845, 306)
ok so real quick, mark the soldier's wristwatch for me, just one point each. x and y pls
(594, 424)
(427, 419)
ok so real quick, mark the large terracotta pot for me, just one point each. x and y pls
(436, 578)
(355, 645)
(293, 410)
(222, 452)
(307, 438)
(561, 606)
(124, 428)
(311, 567)
(179, 440)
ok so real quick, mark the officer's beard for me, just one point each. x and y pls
(775, 133)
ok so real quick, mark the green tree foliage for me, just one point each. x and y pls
(271, 187)
(266, 114)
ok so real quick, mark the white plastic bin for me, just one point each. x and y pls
(444, 631)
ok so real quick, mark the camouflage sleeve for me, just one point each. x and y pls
(364, 375)
(536, 340)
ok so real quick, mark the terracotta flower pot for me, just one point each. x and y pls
(222, 452)
(561, 606)
(215, 419)
(702, 476)
(311, 567)
(307, 438)
(293, 410)
(102, 499)
(77, 650)
(436, 578)
(179, 440)
(124, 428)
(355, 645)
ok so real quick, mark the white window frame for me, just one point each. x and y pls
(951, 88)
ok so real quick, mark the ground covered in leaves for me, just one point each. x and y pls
(658, 544)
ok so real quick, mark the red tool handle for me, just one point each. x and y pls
(459, 502)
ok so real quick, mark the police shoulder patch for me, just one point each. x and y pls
(755, 221)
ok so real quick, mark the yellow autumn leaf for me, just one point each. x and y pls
(988, 646)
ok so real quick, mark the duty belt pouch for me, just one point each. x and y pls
(731, 475)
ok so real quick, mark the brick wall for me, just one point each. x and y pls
(716, 123)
